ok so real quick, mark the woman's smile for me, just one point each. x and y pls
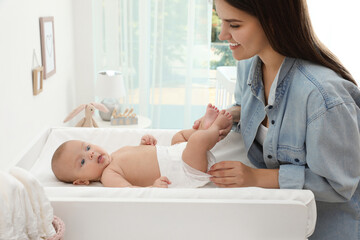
(233, 46)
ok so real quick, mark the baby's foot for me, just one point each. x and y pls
(223, 121)
(209, 117)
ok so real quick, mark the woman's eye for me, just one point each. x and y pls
(82, 162)
(234, 26)
(87, 147)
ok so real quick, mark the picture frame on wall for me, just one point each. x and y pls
(38, 74)
(48, 46)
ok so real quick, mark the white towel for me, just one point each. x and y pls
(25, 211)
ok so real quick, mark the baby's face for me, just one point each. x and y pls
(84, 161)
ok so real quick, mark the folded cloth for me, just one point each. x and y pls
(17, 221)
(25, 211)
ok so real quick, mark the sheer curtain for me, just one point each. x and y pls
(162, 48)
(336, 23)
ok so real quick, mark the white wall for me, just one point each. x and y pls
(22, 115)
(336, 24)
(84, 48)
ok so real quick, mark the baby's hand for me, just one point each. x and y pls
(148, 140)
(161, 182)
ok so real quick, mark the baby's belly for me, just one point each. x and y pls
(142, 168)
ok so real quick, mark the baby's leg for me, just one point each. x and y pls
(201, 141)
(208, 119)
(182, 136)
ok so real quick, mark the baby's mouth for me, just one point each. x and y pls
(100, 159)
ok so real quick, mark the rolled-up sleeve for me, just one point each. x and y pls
(291, 176)
(332, 156)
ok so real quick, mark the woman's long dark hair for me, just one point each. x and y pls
(288, 28)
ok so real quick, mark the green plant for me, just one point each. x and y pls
(226, 58)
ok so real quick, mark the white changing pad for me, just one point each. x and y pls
(231, 148)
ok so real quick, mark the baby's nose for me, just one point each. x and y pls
(91, 155)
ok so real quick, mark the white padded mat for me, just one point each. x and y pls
(230, 148)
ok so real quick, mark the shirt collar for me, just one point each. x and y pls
(255, 76)
(255, 79)
(255, 72)
(280, 77)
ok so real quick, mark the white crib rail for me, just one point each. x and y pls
(225, 86)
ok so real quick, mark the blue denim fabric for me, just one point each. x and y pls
(313, 137)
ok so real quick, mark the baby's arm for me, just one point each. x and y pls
(148, 140)
(111, 178)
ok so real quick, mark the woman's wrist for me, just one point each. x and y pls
(267, 178)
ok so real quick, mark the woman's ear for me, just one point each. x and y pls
(81, 182)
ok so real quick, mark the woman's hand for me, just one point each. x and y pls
(197, 123)
(237, 174)
(232, 174)
(224, 132)
(148, 140)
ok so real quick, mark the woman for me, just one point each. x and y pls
(298, 109)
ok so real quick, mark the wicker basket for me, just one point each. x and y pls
(59, 227)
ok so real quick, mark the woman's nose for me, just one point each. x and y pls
(224, 34)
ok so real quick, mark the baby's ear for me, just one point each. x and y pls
(81, 182)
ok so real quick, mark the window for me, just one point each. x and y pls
(162, 49)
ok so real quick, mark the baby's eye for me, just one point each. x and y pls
(82, 162)
(87, 147)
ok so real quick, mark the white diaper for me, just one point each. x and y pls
(177, 171)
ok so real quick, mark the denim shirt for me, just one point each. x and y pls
(313, 136)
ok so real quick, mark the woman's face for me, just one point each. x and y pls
(242, 30)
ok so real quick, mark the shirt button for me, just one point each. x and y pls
(272, 122)
(270, 107)
(269, 156)
(297, 160)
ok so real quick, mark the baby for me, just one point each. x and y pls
(184, 164)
